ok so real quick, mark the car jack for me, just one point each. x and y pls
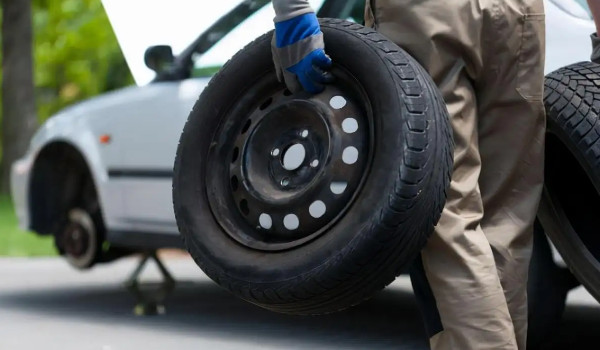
(150, 296)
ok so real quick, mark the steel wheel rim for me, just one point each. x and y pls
(266, 203)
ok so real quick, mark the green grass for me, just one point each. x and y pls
(16, 242)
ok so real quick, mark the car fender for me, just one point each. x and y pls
(71, 127)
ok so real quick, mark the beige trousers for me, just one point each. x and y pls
(487, 57)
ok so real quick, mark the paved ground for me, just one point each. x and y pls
(44, 304)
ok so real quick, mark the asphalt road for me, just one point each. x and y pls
(44, 304)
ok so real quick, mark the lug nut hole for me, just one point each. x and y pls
(265, 221)
(244, 207)
(291, 222)
(266, 103)
(338, 187)
(235, 184)
(235, 155)
(246, 126)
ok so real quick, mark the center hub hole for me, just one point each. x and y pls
(294, 157)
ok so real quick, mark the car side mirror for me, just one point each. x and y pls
(158, 57)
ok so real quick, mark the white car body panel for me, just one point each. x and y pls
(567, 35)
(145, 121)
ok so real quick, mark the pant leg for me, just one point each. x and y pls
(456, 43)
(511, 145)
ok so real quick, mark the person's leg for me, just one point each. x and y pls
(511, 145)
(458, 263)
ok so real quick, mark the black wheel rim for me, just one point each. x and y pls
(283, 167)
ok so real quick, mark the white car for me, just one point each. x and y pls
(98, 175)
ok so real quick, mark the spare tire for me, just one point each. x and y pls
(571, 201)
(357, 201)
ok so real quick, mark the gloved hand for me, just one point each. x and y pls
(298, 52)
(595, 49)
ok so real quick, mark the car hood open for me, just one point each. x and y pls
(140, 24)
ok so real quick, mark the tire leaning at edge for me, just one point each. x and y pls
(572, 101)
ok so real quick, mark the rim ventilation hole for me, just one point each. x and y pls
(265, 221)
(275, 152)
(247, 126)
(266, 104)
(350, 155)
(236, 154)
(337, 102)
(244, 207)
(285, 182)
(338, 187)
(304, 134)
(314, 163)
(317, 209)
(235, 183)
(291, 222)
(350, 125)
(293, 157)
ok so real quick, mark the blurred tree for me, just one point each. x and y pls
(76, 55)
(18, 107)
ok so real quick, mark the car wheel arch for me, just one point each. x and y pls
(49, 178)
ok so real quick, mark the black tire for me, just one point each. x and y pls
(391, 215)
(547, 289)
(570, 202)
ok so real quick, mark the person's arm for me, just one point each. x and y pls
(595, 8)
(286, 9)
(298, 47)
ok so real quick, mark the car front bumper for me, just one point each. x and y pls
(19, 185)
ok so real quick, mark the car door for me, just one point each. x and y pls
(147, 133)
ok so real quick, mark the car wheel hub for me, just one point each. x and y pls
(76, 240)
(79, 239)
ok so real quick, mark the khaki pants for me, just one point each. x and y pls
(487, 57)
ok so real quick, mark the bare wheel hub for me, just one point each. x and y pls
(79, 239)
(76, 239)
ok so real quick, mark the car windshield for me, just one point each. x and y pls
(584, 4)
(182, 24)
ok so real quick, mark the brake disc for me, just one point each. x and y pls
(79, 239)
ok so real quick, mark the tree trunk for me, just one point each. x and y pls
(18, 109)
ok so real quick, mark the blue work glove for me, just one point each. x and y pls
(299, 55)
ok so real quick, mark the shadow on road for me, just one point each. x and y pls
(389, 319)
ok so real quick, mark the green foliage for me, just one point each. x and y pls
(205, 71)
(14, 241)
(77, 55)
